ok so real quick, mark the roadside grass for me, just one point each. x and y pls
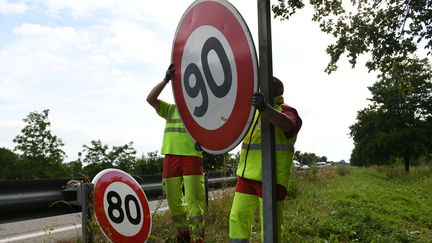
(377, 204)
(339, 204)
(216, 216)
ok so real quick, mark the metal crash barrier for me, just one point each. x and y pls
(31, 199)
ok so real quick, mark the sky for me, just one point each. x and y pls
(92, 64)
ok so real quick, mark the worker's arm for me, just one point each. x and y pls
(276, 117)
(152, 97)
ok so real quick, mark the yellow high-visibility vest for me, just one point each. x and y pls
(250, 165)
(176, 140)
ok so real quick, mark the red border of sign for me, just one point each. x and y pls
(101, 181)
(226, 20)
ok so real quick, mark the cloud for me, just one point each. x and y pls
(92, 78)
(131, 42)
(7, 8)
(28, 30)
(161, 13)
(92, 63)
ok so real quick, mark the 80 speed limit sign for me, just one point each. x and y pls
(121, 207)
(216, 74)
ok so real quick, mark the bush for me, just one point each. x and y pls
(343, 170)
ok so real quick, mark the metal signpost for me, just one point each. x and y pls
(121, 207)
(86, 201)
(216, 74)
(267, 129)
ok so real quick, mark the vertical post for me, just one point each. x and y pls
(86, 206)
(206, 191)
(267, 129)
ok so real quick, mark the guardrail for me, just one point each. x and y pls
(30, 199)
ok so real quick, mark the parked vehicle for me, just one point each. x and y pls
(321, 164)
(304, 167)
(296, 164)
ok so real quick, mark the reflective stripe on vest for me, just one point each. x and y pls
(176, 140)
(175, 129)
(278, 147)
(173, 120)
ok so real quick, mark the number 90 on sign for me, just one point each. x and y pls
(209, 79)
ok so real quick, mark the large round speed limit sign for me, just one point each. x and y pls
(216, 74)
(121, 207)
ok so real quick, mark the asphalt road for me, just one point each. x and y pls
(52, 229)
(59, 228)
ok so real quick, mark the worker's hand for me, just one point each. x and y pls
(258, 101)
(198, 147)
(169, 73)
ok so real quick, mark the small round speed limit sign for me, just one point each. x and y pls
(216, 74)
(121, 207)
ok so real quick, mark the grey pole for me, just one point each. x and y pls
(206, 189)
(86, 206)
(267, 129)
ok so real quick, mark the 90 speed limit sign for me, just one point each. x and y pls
(216, 74)
(121, 207)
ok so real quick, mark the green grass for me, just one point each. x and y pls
(339, 205)
(364, 205)
(379, 204)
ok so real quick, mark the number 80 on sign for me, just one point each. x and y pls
(121, 207)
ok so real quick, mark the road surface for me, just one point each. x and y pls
(63, 227)
(52, 229)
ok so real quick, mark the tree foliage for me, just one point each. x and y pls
(36, 140)
(308, 158)
(99, 156)
(74, 169)
(41, 156)
(41, 151)
(225, 163)
(389, 30)
(10, 164)
(150, 164)
(398, 123)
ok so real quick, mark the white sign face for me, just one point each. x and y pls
(216, 74)
(123, 208)
(209, 68)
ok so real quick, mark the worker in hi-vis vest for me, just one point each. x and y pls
(248, 191)
(182, 166)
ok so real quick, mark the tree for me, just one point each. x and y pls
(398, 122)
(213, 162)
(123, 157)
(99, 156)
(308, 158)
(42, 150)
(74, 168)
(225, 163)
(9, 162)
(389, 30)
(150, 164)
(95, 153)
(231, 163)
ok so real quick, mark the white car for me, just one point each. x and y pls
(296, 164)
(321, 164)
(304, 167)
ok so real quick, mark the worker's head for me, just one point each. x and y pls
(278, 87)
